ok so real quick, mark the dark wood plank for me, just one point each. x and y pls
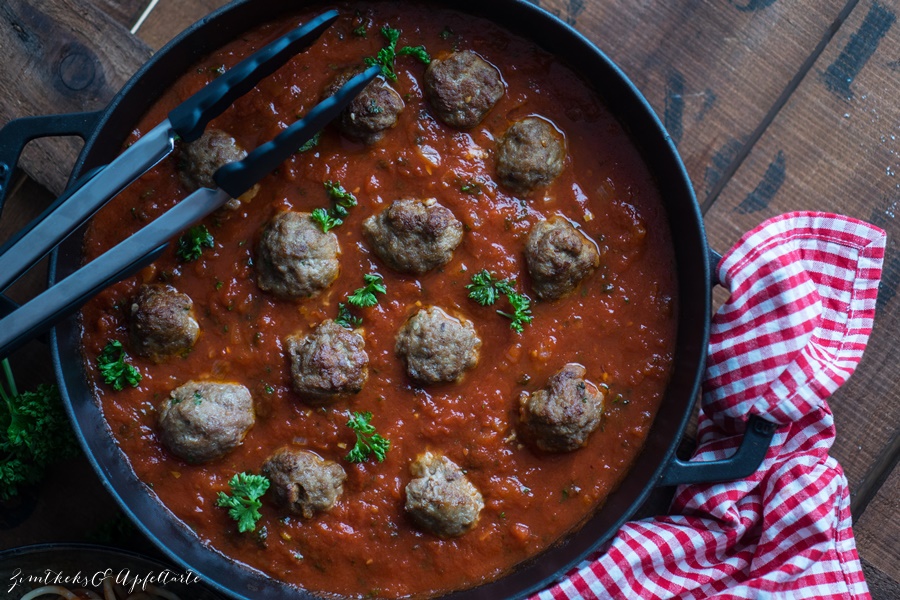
(712, 70)
(60, 56)
(878, 529)
(124, 12)
(881, 585)
(170, 18)
(834, 147)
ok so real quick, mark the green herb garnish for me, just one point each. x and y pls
(34, 433)
(367, 440)
(310, 143)
(347, 319)
(343, 200)
(114, 369)
(244, 504)
(485, 289)
(365, 296)
(191, 244)
(324, 219)
(388, 54)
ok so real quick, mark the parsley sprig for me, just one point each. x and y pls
(365, 296)
(485, 289)
(342, 200)
(388, 54)
(368, 442)
(34, 433)
(191, 244)
(347, 319)
(114, 368)
(244, 504)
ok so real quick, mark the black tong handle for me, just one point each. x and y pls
(191, 117)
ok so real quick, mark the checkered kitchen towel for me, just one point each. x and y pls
(803, 290)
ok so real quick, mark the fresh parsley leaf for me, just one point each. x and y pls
(360, 31)
(368, 442)
(34, 433)
(244, 504)
(310, 143)
(341, 197)
(365, 296)
(114, 369)
(343, 200)
(388, 54)
(417, 52)
(191, 244)
(485, 289)
(347, 319)
(324, 219)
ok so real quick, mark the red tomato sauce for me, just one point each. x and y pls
(619, 324)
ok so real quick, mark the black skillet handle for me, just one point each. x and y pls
(714, 259)
(19, 132)
(741, 464)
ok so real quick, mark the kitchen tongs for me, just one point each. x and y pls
(186, 122)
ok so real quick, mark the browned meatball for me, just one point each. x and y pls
(440, 499)
(437, 347)
(295, 259)
(462, 88)
(199, 160)
(328, 362)
(201, 420)
(414, 236)
(303, 481)
(531, 154)
(560, 417)
(372, 112)
(559, 257)
(162, 322)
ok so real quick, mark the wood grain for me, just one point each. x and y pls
(60, 56)
(881, 585)
(878, 529)
(834, 147)
(124, 12)
(711, 70)
(170, 17)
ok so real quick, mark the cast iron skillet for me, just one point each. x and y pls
(104, 134)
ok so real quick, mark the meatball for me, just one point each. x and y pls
(295, 259)
(162, 322)
(372, 112)
(437, 347)
(560, 417)
(201, 420)
(332, 360)
(462, 88)
(199, 160)
(559, 257)
(440, 499)
(530, 155)
(414, 236)
(303, 481)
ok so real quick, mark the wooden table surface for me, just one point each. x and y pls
(775, 105)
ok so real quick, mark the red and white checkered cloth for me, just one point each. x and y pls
(803, 291)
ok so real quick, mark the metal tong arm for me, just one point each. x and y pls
(40, 313)
(188, 120)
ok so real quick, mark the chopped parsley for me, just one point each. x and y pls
(34, 433)
(365, 296)
(114, 369)
(485, 289)
(368, 442)
(310, 143)
(347, 319)
(342, 200)
(388, 54)
(244, 504)
(192, 242)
